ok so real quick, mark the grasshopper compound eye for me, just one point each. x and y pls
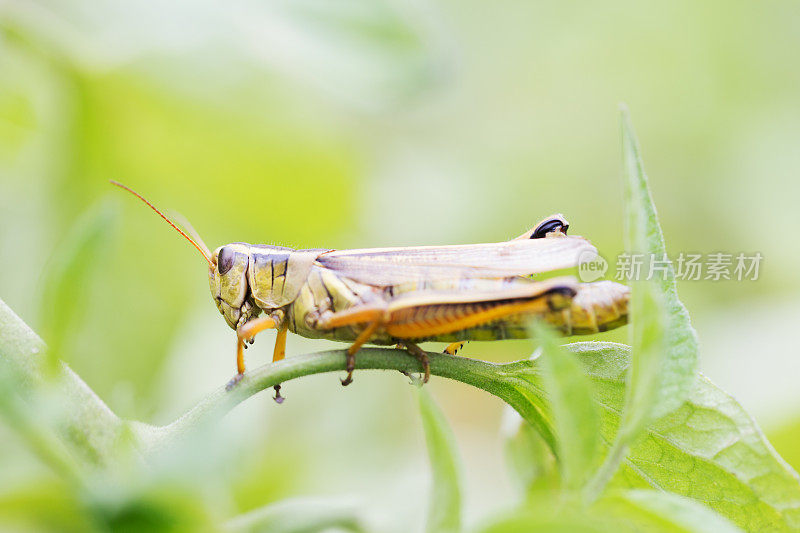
(550, 225)
(225, 260)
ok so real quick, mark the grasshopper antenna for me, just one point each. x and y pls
(202, 248)
(188, 228)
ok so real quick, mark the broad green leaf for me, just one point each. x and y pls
(444, 513)
(548, 517)
(575, 415)
(531, 463)
(708, 449)
(647, 334)
(627, 511)
(670, 511)
(643, 235)
(299, 515)
(661, 372)
(69, 274)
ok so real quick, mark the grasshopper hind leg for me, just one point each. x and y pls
(363, 337)
(421, 356)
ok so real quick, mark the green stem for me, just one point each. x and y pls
(86, 421)
(597, 484)
(95, 430)
(491, 377)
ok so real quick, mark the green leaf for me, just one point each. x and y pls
(664, 343)
(549, 515)
(69, 274)
(708, 449)
(643, 235)
(576, 418)
(530, 461)
(299, 515)
(670, 511)
(627, 511)
(647, 335)
(444, 514)
(42, 506)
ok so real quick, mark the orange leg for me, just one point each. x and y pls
(363, 337)
(422, 357)
(280, 345)
(372, 315)
(244, 333)
(278, 353)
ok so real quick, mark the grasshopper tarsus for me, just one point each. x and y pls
(233, 382)
(350, 366)
(278, 398)
(422, 357)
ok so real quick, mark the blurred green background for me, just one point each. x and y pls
(378, 123)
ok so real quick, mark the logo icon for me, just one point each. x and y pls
(591, 266)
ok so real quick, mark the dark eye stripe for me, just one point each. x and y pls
(549, 226)
(225, 260)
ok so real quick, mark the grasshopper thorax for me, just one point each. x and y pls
(248, 278)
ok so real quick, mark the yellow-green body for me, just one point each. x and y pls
(296, 287)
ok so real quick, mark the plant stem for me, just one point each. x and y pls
(490, 377)
(597, 484)
(96, 431)
(86, 422)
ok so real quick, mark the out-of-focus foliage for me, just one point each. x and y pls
(444, 512)
(375, 123)
(575, 416)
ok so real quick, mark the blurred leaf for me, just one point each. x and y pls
(576, 418)
(69, 274)
(530, 461)
(81, 416)
(44, 506)
(674, 513)
(708, 449)
(300, 515)
(547, 516)
(785, 439)
(664, 347)
(165, 507)
(363, 54)
(630, 511)
(676, 368)
(28, 421)
(444, 513)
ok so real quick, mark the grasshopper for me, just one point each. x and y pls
(404, 296)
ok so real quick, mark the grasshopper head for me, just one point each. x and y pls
(227, 278)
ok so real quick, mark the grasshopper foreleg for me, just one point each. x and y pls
(245, 333)
(278, 353)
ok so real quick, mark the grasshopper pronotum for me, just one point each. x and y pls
(403, 296)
